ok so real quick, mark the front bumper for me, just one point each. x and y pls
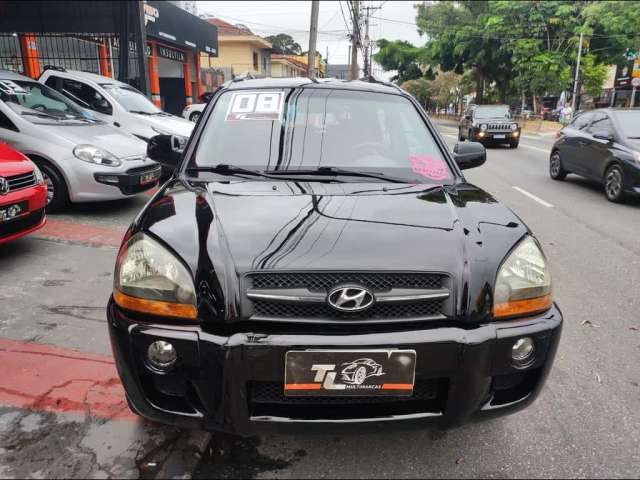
(35, 219)
(496, 137)
(234, 383)
(87, 182)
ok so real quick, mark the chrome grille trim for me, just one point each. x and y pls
(18, 182)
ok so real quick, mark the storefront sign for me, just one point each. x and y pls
(170, 53)
(166, 22)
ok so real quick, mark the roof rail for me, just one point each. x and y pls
(54, 67)
(372, 79)
(242, 78)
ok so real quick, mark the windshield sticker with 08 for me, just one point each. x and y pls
(255, 106)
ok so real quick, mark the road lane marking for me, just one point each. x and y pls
(52, 379)
(533, 197)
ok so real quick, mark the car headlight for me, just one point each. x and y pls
(483, 126)
(523, 284)
(150, 279)
(38, 175)
(514, 126)
(93, 154)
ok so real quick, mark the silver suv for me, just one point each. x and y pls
(83, 159)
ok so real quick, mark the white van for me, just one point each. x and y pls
(116, 102)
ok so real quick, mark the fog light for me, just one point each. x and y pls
(522, 351)
(481, 134)
(108, 179)
(161, 355)
(515, 134)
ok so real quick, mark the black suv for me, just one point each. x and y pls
(489, 124)
(319, 257)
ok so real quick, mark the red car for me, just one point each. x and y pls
(23, 195)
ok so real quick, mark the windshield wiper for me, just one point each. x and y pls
(141, 112)
(634, 138)
(225, 169)
(334, 172)
(42, 114)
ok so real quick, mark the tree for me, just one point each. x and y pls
(401, 56)
(593, 75)
(420, 89)
(456, 42)
(284, 44)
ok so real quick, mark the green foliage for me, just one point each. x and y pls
(419, 88)
(284, 44)
(401, 56)
(593, 75)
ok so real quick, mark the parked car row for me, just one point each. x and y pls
(87, 134)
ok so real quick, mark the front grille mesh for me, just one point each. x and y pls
(323, 281)
(499, 126)
(273, 392)
(378, 311)
(20, 224)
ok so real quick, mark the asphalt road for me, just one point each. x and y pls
(586, 423)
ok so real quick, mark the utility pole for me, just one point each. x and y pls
(368, 47)
(574, 100)
(355, 23)
(313, 36)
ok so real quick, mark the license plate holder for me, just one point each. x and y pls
(13, 211)
(345, 373)
(500, 136)
(149, 177)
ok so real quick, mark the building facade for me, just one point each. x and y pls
(240, 51)
(284, 67)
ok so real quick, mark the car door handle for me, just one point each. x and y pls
(583, 142)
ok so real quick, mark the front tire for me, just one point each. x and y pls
(57, 193)
(614, 184)
(555, 167)
(514, 144)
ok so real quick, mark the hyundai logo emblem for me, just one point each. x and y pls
(350, 298)
(4, 186)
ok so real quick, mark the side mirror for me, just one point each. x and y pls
(166, 150)
(603, 135)
(102, 106)
(469, 154)
(467, 117)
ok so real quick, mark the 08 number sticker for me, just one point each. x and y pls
(255, 106)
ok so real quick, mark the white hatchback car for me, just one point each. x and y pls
(116, 102)
(82, 158)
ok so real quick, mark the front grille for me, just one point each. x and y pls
(268, 399)
(379, 311)
(323, 281)
(18, 225)
(24, 180)
(499, 126)
(144, 169)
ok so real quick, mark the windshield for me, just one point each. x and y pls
(306, 129)
(497, 111)
(38, 103)
(629, 121)
(131, 100)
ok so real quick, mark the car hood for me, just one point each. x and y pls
(167, 123)
(224, 230)
(121, 144)
(13, 162)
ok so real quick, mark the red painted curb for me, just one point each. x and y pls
(47, 378)
(81, 233)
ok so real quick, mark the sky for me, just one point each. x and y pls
(271, 17)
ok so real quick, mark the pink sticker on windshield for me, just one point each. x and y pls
(430, 167)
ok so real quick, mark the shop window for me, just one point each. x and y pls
(86, 96)
(256, 65)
